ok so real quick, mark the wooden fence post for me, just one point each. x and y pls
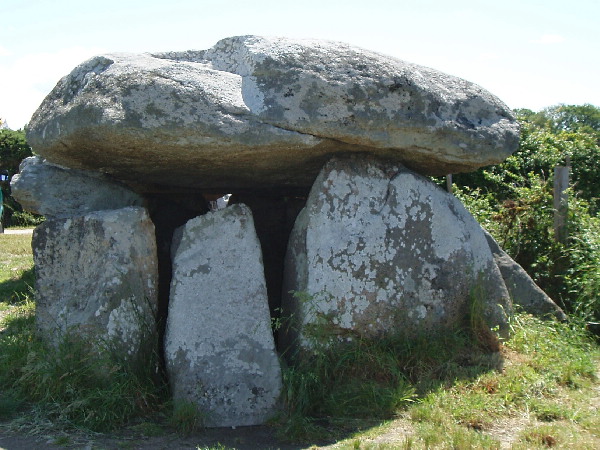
(449, 183)
(561, 204)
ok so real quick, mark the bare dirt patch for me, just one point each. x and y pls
(18, 231)
(241, 438)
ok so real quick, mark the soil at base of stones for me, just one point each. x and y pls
(241, 438)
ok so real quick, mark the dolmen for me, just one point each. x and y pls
(325, 149)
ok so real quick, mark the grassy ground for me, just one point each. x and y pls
(16, 262)
(543, 393)
(540, 390)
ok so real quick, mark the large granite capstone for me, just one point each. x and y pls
(253, 112)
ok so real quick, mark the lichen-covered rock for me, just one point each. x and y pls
(219, 347)
(522, 289)
(378, 250)
(282, 107)
(96, 277)
(58, 192)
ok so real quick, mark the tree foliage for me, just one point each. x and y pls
(572, 118)
(13, 149)
(514, 201)
(545, 143)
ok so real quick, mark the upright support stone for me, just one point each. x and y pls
(219, 346)
(379, 250)
(96, 276)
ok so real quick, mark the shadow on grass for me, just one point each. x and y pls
(332, 395)
(14, 290)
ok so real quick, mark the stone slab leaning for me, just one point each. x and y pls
(219, 348)
(58, 192)
(522, 289)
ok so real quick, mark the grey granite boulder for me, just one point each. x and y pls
(58, 192)
(96, 277)
(522, 289)
(379, 250)
(219, 347)
(281, 107)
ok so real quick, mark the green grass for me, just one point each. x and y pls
(186, 418)
(545, 393)
(74, 385)
(16, 268)
(541, 389)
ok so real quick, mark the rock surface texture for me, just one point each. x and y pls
(58, 192)
(219, 347)
(96, 276)
(253, 112)
(522, 289)
(379, 249)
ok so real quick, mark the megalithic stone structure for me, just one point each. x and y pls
(378, 247)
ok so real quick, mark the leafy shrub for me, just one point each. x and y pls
(24, 218)
(514, 202)
(13, 149)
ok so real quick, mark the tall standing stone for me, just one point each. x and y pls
(378, 250)
(219, 347)
(96, 276)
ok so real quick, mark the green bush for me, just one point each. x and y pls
(13, 149)
(514, 202)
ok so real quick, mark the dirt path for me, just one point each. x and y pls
(18, 231)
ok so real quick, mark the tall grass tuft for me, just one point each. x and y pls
(76, 384)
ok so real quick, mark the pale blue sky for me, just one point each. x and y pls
(530, 53)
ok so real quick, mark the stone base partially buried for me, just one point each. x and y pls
(219, 348)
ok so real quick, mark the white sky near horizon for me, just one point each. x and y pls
(530, 53)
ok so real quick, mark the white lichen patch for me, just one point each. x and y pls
(125, 324)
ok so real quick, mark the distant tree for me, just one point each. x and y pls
(13, 150)
(574, 117)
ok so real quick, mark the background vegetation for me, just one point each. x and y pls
(514, 202)
(13, 149)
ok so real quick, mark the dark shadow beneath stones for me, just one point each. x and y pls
(168, 212)
(274, 217)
